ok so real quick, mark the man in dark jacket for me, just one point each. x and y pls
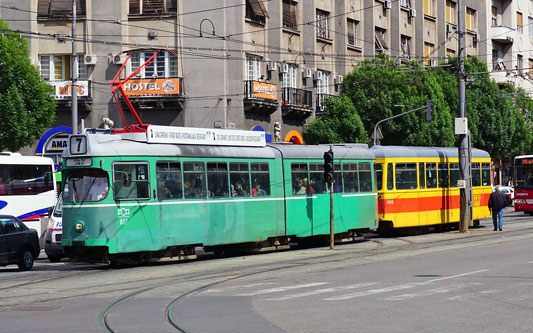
(496, 206)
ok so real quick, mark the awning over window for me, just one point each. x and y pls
(259, 8)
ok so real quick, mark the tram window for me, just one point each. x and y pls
(168, 176)
(86, 185)
(365, 177)
(349, 172)
(239, 177)
(406, 176)
(260, 179)
(454, 174)
(431, 175)
(476, 174)
(337, 179)
(379, 175)
(217, 180)
(299, 179)
(131, 181)
(193, 180)
(443, 175)
(390, 177)
(485, 174)
(421, 176)
(317, 185)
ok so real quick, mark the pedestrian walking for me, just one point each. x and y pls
(496, 206)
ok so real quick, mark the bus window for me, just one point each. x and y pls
(217, 180)
(317, 183)
(349, 172)
(193, 180)
(454, 174)
(443, 175)
(86, 185)
(260, 179)
(431, 175)
(390, 177)
(421, 176)
(476, 174)
(239, 178)
(379, 176)
(299, 176)
(485, 174)
(365, 177)
(337, 179)
(406, 176)
(130, 181)
(20, 179)
(168, 176)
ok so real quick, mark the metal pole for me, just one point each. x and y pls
(464, 152)
(331, 224)
(74, 73)
(225, 100)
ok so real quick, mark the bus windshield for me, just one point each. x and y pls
(524, 173)
(86, 185)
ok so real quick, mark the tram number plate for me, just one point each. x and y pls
(78, 144)
(123, 215)
(123, 221)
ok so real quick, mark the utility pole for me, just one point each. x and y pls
(74, 74)
(461, 128)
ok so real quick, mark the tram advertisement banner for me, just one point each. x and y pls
(205, 136)
(150, 87)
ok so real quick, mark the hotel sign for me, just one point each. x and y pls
(63, 89)
(150, 87)
(265, 90)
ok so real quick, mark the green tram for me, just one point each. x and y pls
(127, 200)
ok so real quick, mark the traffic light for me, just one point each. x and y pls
(429, 110)
(328, 166)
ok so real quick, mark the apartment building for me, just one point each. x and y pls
(243, 64)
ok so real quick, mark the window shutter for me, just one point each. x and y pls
(151, 7)
(293, 14)
(60, 7)
(135, 7)
(259, 8)
(43, 6)
(287, 13)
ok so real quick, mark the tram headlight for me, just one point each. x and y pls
(79, 226)
(519, 201)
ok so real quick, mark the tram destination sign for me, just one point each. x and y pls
(205, 136)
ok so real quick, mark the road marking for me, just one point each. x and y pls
(321, 291)
(279, 289)
(398, 287)
(221, 290)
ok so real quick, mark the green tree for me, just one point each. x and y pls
(340, 124)
(26, 103)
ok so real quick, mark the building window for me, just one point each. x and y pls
(450, 12)
(520, 64)
(428, 52)
(381, 37)
(406, 47)
(428, 7)
(57, 67)
(289, 14)
(519, 22)
(322, 82)
(530, 25)
(256, 11)
(470, 19)
(165, 65)
(352, 26)
(406, 3)
(59, 8)
(152, 7)
(450, 53)
(322, 26)
(530, 68)
(289, 78)
(494, 17)
(253, 68)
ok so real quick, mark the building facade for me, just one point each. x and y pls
(243, 64)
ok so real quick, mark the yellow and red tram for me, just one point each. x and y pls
(417, 186)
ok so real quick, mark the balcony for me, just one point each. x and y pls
(63, 94)
(296, 102)
(502, 34)
(260, 97)
(320, 101)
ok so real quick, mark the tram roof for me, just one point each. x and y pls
(439, 152)
(345, 150)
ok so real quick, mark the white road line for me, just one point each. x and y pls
(321, 291)
(221, 290)
(279, 289)
(398, 287)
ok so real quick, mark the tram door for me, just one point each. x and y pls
(422, 200)
(407, 190)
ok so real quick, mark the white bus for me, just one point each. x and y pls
(27, 188)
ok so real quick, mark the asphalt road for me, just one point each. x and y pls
(438, 282)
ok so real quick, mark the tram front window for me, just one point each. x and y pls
(86, 185)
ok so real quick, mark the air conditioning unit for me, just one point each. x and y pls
(338, 79)
(284, 68)
(318, 75)
(412, 12)
(387, 4)
(119, 59)
(272, 66)
(307, 73)
(449, 27)
(90, 59)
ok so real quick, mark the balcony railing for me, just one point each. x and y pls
(320, 101)
(261, 91)
(297, 98)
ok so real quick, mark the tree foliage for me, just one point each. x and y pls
(27, 105)
(499, 119)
